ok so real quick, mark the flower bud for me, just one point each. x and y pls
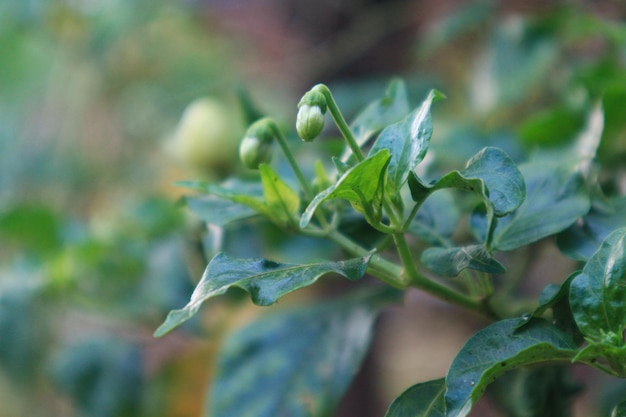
(310, 119)
(256, 146)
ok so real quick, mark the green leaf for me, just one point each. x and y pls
(266, 281)
(436, 219)
(496, 349)
(217, 211)
(381, 113)
(296, 363)
(492, 174)
(274, 199)
(597, 295)
(425, 399)
(451, 261)
(556, 196)
(281, 202)
(362, 185)
(583, 238)
(556, 298)
(407, 142)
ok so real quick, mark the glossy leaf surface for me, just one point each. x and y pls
(496, 349)
(362, 185)
(407, 142)
(425, 399)
(266, 281)
(451, 261)
(296, 363)
(597, 295)
(555, 198)
(491, 173)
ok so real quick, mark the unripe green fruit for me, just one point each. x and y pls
(253, 152)
(206, 136)
(256, 146)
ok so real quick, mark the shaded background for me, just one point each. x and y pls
(94, 250)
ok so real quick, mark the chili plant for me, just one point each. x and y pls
(398, 227)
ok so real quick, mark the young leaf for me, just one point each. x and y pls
(436, 219)
(425, 399)
(450, 262)
(266, 281)
(583, 238)
(275, 200)
(362, 185)
(555, 198)
(383, 112)
(281, 202)
(496, 349)
(597, 295)
(296, 363)
(407, 141)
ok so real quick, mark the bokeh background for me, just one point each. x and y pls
(94, 248)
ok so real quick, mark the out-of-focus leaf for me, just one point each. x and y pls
(266, 281)
(217, 211)
(425, 399)
(496, 349)
(296, 363)
(31, 227)
(407, 142)
(362, 185)
(104, 377)
(554, 126)
(451, 261)
(393, 106)
(436, 219)
(619, 410)
(597, 295)
(274, 199)
(584, 237)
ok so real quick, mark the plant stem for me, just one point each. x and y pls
(410, 272)
(391, 274)
(282, 141)
(340, 121)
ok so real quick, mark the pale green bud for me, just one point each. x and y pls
(310, 119)
(256, 146)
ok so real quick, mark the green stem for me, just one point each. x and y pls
(391, 274)
(340, 121)
(410, 272)
(282, 141)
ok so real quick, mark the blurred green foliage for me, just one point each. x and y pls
(93, 249)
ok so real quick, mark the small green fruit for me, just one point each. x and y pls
(206, 136)
(256, 146)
